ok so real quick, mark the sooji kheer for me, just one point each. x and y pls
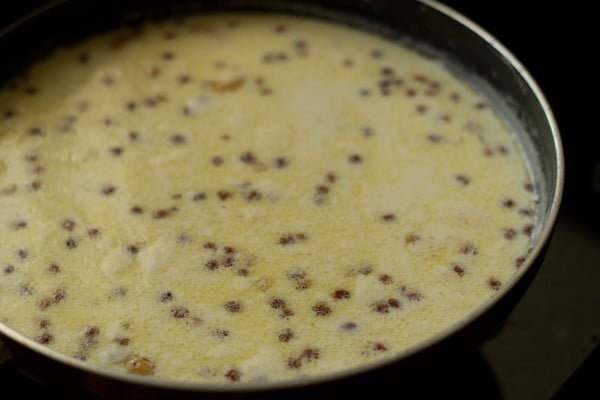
(237, 198)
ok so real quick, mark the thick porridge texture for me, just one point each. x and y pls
(238, 197)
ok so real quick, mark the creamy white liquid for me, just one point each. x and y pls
(250, 198)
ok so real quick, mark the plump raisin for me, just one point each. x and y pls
(45, 338)
(281, 162)
(22, 254)
(378, 346)
(91, 331)
(221, 333)
(212, 265)
(233, 375)
(20, 224)
(109, 190)
(69, 224)
(93, 233)
(166, 297)
(53, 268)
(494, 283)
(180, 312)
(234, 306)
(458, 270)
(394, 303)
(388, 217)
(412, 238)
(509, 233)
(43, 324)
(341, 294)
(310, 354)
(463, 179)
(381, 307)
(286, 335)
(294, 363)
(277, 303)
(411, 294)
(321, 309)
(349, 326)
(136, 209)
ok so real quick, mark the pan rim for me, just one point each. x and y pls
(543, 239)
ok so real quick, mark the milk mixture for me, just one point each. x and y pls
(250, 198)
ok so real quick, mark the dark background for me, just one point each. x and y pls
(557, 43)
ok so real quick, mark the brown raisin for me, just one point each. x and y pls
(378, 346)
(281, 162)
(509, 233)
(212, 264)
(91, 331)
(248, 158)
(508, 203)
(388, 217)
(20, 224)
(412, 238)
(210, 246)
(310, 354)
(69, 224)
(161, 213)
(43, 324)
(469, 249)
(411, 294)
(294, 363)
(349, 326)
(45, 338)
(355, 158)
(321, 309)
(463, 179)
(166, 297)
(224, 194)
(180, 312)
(22, 254)
(109, 190)
(458, 270)
(277, 302)
(341, 294)
(233, 375)
(177, 139)
(286, 335)
(381, 306)
(394, 303)
(233, 306)
(199, 196)
(53, 268)
(494, 283)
